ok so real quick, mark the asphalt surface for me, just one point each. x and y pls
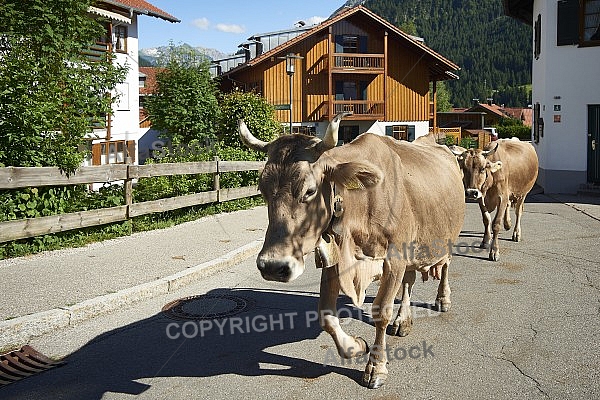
(527, 326)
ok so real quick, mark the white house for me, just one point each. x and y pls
(566, 89)
(118, 142)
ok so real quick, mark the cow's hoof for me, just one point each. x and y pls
(494, 255)
(442, 306)
(373, 379)
(516, 237)
(484, 244)
(402, 328)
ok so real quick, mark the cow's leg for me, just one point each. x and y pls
(347, 346)
(485, 215)
(376, 371)
(403, 322)
(518, 212)
(507, 221)
(442, 302)
(494, 250)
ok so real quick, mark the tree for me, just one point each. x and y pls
(50, 91)
(185, 105)
(443, 97)
(256, 112)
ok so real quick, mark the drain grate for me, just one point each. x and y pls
(206, 306)
(19, 364)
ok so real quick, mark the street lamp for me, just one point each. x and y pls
(290, 60)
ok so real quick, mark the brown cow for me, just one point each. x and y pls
(376, 197)
(497, 177)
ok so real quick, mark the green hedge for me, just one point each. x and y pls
(520, 131)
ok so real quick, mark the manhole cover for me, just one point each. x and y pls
(206, 306)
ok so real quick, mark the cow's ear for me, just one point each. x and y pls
(494, 166)
(354, 175)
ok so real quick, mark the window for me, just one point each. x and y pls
(348, 133)
(120, 37)
(350, 43)
(578, 23)
(401, 132)
(305, 130)
(351, 90)
(114, 152)
(590, 23)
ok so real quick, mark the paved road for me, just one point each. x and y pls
(526, 327)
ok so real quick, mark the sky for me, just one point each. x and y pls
(224, 24)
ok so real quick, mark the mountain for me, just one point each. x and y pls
(149, 57)
(493, 50)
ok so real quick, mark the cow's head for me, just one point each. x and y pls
(296, 183)
(476, 169)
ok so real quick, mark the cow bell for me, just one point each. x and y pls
(327, 253)
(338, 206)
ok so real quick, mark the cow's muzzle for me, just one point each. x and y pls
(284, 269)
(472, 194)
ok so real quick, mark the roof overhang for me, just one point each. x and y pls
(109, 14)
(519, 9)
(440, 68)
(143, 8)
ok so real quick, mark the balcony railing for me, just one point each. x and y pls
(353, 62)
(360, 109)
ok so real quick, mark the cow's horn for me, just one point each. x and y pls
(249, 140)
(490, 152)
(457, 151)
(331, 136)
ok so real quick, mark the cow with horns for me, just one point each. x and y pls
(361, 206)
(497, 177)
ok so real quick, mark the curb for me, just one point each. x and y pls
(18, 331)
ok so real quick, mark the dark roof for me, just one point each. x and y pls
(440, 67)
(519, 9)
(143, 7)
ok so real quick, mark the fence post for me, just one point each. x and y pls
(128, 187)
(216, 181)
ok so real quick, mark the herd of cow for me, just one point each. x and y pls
(351, 204)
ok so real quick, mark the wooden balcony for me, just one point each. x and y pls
(358, 63)
(360, 109)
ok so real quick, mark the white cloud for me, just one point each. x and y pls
(201, 23)
(314, 20)
(231, 28)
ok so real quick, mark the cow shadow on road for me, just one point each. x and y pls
(126, 360)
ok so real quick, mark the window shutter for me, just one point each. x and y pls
(131, 151)
(537, 40)
(567, 31)
(339, 90)
(96, 152)
(362, 44)
(363, 89)
(339, 43)
(389, 131)
(411, 133)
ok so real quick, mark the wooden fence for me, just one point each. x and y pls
(22, 177)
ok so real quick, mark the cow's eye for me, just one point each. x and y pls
(309, 194)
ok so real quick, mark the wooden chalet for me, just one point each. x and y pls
(355, 62)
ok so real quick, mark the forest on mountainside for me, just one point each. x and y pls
(493, 50)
